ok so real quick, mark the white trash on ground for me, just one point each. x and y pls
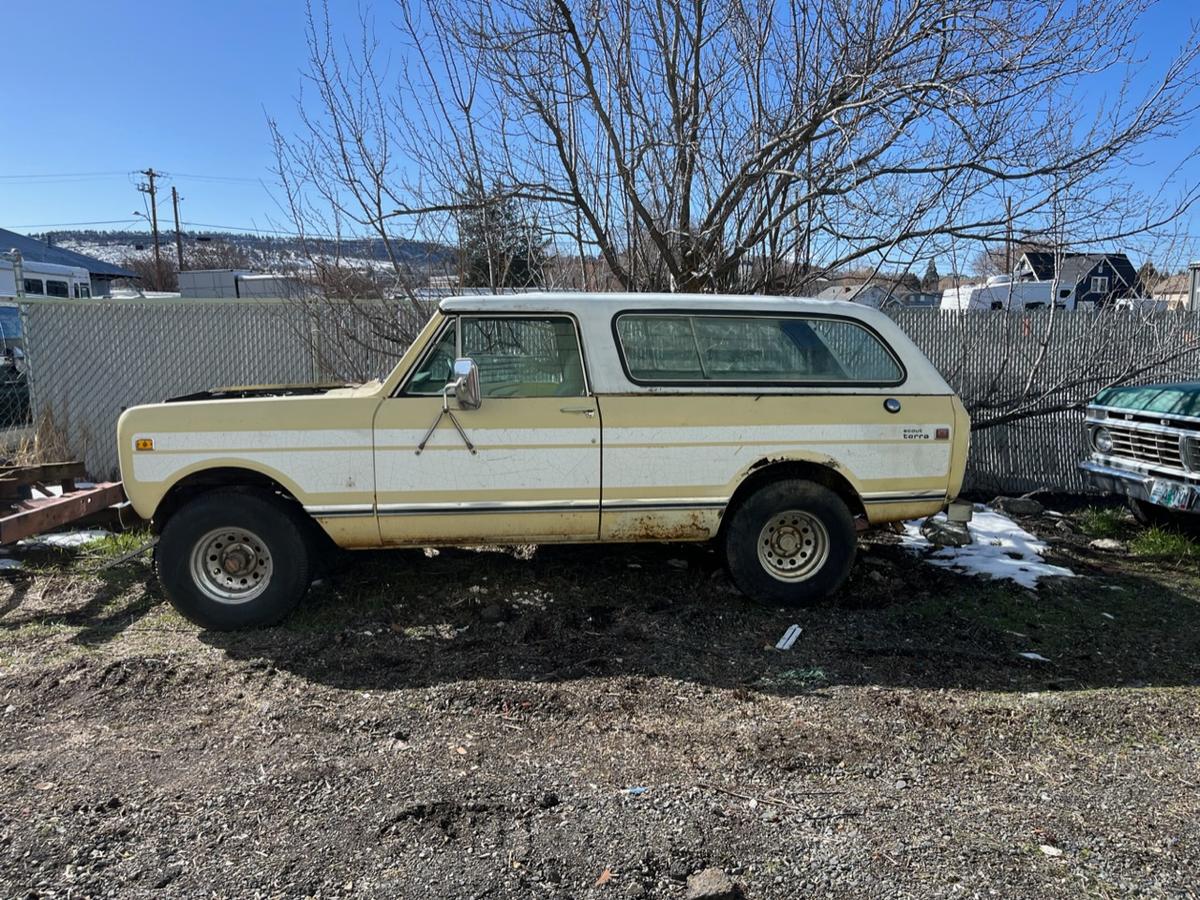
(999, 548)
(789, 638)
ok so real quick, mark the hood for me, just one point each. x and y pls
(1179, 399)
(274, 390)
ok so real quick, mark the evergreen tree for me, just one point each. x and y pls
(929, 284)
(498, 245)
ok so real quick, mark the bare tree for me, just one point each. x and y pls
(740, 145)
(704, 144)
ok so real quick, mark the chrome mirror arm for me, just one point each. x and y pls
(446, 411)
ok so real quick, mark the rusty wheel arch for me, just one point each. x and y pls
(221, 478)
(766, 471)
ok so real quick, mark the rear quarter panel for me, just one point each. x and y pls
(671, 462)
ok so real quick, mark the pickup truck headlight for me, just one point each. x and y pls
(1102, 440)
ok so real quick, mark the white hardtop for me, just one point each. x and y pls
(595, 314)
(613, 303)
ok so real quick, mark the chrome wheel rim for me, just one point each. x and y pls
(793, 545)
(231, 565)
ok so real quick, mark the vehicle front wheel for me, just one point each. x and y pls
(791, 542)
(1153, 515)
(231, 559)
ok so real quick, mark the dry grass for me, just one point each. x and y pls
(47, 443)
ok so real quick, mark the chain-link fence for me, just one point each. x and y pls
(1007, 365)
(15, 416)
(89, 360)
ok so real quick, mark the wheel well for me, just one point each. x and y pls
(222, 478)
(765, 472)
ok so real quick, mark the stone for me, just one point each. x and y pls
(711, 884)
(493, 612)
(944, 533)
(1107, 545)
(1018, 506)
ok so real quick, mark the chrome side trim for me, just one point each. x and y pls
(665, 503)
(471, 507)
(337, 511)
(898, 497)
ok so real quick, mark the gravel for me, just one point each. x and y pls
(476, 724)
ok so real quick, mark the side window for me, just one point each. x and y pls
(436, 368)
(34, 286)
(524, 357)
(753, 350)
(660, 347)
(57, 289)
(85, 292)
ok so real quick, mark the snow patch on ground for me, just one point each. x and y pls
(999, 548)
(64, 540)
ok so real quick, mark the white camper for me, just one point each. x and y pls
(1002, 293)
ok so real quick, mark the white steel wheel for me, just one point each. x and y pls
(790, 542)
(231, 565)
(793, 545)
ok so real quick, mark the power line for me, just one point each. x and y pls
(65, 175)
(77, 224)
(233, 178)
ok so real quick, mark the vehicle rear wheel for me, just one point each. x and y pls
(233, 559)
(791, 542)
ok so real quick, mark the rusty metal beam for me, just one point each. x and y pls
(35, 516)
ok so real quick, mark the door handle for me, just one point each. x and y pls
(588, 411)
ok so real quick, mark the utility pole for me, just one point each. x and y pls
(1008, 237)
(149, 188)
(178, 234)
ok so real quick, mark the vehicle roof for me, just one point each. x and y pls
(611, 303)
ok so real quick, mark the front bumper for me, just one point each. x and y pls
(1128, 483)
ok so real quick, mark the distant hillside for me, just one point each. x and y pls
(267, 251)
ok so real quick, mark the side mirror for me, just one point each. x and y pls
(465, 384)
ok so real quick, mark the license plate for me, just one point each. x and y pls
(1171, 494)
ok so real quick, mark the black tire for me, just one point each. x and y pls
(1152, 515)
(811, 578)
(270, 539)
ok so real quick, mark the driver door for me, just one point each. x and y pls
(533, 473)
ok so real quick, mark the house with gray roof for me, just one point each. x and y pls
(1098, 278)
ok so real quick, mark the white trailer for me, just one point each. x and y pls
(1002, 293)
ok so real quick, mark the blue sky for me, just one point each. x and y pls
(186, 88)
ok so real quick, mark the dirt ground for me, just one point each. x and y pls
(606, 722)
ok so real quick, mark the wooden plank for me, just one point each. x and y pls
(36, 516)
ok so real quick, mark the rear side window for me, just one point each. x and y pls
(57, 289)
(723, 349)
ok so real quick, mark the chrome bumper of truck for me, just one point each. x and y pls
(1128, 483)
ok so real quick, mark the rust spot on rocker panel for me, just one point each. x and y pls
(689, 525)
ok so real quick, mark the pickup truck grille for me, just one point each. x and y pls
(1148, 447)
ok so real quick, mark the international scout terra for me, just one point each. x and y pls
(767, 425)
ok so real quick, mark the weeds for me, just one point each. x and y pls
(1164, 542)
(1102, 522)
